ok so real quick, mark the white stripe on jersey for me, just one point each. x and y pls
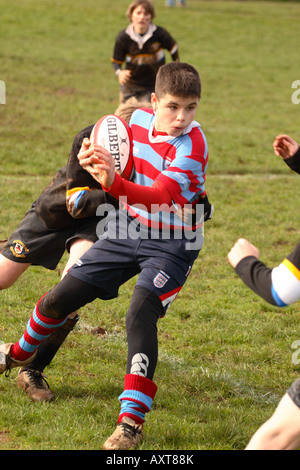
(286, 282)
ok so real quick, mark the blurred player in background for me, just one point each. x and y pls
(172, 3)
(141, 48)
(279, 286)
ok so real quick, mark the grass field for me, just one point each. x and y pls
(225, 355)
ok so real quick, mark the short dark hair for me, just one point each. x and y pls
(178, 79)
(148, 5)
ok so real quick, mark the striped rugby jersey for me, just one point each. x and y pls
(180, 163)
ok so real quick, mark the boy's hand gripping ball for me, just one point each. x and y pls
(113, 133)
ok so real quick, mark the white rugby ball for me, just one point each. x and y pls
(113, 133)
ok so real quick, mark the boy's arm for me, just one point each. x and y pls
(101, 166)
(164, 190)
(169, 43)
(84, 194)
(119, 56)
(186, 173)
(193, 216)
(294, 162)
(149, 197)
(279, 286)
(288, 149)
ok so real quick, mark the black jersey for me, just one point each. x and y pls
(281, 285)
(53, 205)
(294, 162)
(143, 55)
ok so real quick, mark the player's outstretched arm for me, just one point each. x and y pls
(279, 286)
(289, 150)
(241, 249)
(284, 146)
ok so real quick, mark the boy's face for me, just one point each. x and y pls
(173, 113)
(141, 20)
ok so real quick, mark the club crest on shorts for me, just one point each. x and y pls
(160, 279)
(18, 249)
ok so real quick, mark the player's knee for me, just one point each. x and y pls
(10, 271)
(7, 280)
(68, 296)
(4, 284)
(145, 307)
(51, 306)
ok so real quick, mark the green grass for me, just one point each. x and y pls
(225, 355)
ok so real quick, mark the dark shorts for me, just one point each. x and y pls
(33, 242)
(294, 392)
(163, 265)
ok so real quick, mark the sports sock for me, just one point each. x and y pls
(49, 347)
(137, 397)
(38, 328)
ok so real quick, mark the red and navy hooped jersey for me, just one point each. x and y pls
(179, 163)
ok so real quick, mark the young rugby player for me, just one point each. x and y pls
(146, 237)
(141, 47)
(279, 286)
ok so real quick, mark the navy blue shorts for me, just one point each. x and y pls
(163, 265)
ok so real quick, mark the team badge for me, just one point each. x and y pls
(18, 249)
(160, 279)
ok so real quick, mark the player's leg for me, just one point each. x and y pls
(282, 430)
(77, 248)
(165, 265)
(10, 271)
(31, 378)
(98, 267)
(139, 389)
(49, 314)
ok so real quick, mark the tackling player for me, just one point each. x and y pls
(170, 159)
(279, 286)
(62, 218)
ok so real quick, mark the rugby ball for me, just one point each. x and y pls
(113, 133)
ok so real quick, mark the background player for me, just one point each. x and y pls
(279, 286)
(141, 47)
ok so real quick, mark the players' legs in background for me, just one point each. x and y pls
(31, 378)
(10, 271)
(172, 3)
(281, 431)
